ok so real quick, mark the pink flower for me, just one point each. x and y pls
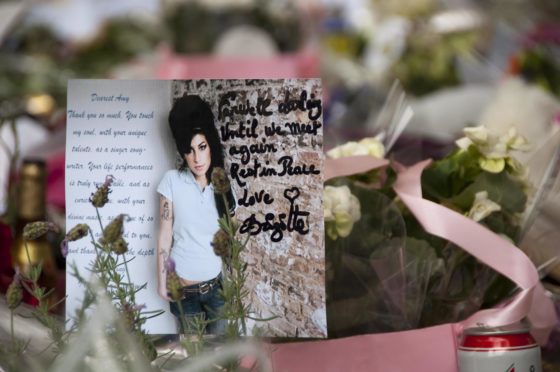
(170, 265)
(64, 248)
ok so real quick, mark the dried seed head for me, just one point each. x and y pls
(221, 243)
(35, 230)
(77, 232)
(174, 286)
(220, 180)
(14, 294)
(113, 231)
(101, 196)
(120, 246)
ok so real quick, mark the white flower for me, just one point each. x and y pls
(342, 210)
(368, 146)
(348, 149)
(492, 145)
(515, 141)
(495, 149)
(478, 135)
(482, 207)
(374, 146)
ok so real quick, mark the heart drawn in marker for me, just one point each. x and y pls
(291, 194)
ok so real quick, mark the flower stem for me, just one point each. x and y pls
(132, 293)
(99, 219)
(182, 316)
(34, 278)
(237, 276)
(27, 253)
(12, 327)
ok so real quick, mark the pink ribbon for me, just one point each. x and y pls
(434, 348)
(352, 165)
(489, 248)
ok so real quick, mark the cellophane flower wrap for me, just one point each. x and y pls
(384, 271)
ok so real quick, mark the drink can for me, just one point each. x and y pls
(507, 349)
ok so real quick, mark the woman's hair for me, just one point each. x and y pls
(189, 116)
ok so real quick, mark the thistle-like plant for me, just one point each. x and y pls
(110, 257)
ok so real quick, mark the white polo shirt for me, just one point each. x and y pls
(195, 221)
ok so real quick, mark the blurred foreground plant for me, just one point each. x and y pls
(109, 314)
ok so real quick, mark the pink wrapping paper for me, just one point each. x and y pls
(429, 349)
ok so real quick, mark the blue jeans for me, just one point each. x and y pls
(202, 305)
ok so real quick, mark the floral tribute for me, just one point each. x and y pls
(385, 271)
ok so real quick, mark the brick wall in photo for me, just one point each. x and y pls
(286, 278)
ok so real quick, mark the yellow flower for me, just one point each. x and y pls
(342, 210)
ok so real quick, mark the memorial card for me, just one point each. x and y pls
(155, 143)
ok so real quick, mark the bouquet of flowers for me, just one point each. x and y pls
(386, 270)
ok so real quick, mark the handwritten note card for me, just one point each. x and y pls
(271, 133)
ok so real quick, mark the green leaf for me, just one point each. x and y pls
(501, 189)
(415, 230)
(451, 175)
(503, 223)
(35, 272)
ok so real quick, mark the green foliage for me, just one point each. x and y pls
(119, 41)
(429, 61)
(449, 176)
(538, 65)
(501, 188)
(41, 63)
(194, 28)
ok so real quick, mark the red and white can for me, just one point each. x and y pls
(508, 349)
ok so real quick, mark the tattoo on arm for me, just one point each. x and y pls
(164, 248)
(164, 257)
(165, 213)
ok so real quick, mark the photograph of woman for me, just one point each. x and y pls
(189, 213)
